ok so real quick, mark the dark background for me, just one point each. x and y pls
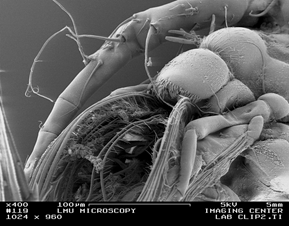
(24, 27)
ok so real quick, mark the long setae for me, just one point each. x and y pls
(104, 153)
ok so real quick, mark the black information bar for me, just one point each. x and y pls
(204, 211)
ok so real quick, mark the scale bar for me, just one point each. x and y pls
(139, 204)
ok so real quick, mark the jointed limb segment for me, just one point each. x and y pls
(219, 165)
(268, 107)
(73, 34)
(62, 112)
(84, 87)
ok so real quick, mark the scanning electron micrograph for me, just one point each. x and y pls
(174, 101)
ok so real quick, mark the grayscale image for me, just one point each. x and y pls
(144, 101)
